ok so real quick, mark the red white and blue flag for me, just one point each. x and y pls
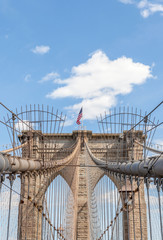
(80, 115)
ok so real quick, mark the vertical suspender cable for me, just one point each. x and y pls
(102, 202)
(107, 206)
(126, 203)
(149, 212)
(138, 183)
(27, 207)
(42, 233)
(9, 212)
(35, 177)
(38, 210)
(46, 234)
(48, 205)
(133, 201)
(55, 206)
(159, 201)
(57, 203)
(52, 206)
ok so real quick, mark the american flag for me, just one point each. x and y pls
(80, 115)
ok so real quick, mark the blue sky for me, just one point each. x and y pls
(98, 54)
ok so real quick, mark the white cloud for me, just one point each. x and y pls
(142, 4)
(145, 13)
(53, 76)
(24, 126)
(69, 122)
(98, 82)
(126, 1)
(27, 78)
(94, 106)
(41, 50)
(159, 142)
(146, 7)
(70, 119)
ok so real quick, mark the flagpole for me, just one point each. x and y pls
(82, 118)
(79, 120)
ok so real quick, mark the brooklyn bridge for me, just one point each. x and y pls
(80, 185)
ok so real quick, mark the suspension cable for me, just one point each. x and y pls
(146, 116)
(35, 205)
